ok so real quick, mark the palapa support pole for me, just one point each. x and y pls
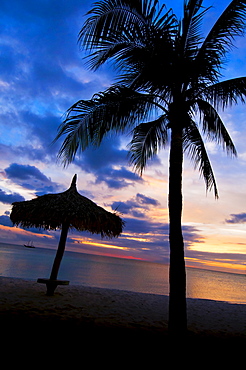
(52, 282)
(60, 251)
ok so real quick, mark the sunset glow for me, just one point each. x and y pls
(95, 244)
(42, 73)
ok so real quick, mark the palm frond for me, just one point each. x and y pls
(108, 50)
(116, 27)
(191, 26)
(109, 19)
(148, 138)
(221, 37)
(88, 121)
(214, 127)
(227, 93)
(194, 146)
(106, 14)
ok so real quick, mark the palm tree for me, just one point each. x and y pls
(168, 91)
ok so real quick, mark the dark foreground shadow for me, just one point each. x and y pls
(77, 337)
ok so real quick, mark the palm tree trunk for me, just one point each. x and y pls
(60, 251)
(177, 324)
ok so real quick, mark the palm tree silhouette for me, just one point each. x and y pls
(168, 91)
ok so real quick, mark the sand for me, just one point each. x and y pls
(73, 310)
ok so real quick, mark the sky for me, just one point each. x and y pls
(42, 73)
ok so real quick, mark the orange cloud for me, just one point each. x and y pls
(7, 230)
(96, 244)
(217, 265)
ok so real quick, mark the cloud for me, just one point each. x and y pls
(109, 153)
(24, 172)
(12, 152)
(41, 127)
(150, 239)
(136, 206)
(40, 79)
(146, 226)
(142, 199)
(30, 177)
(5, 221)
(117, 178)
(109, 164)
(238, 218)
(41, 72)
(215, 260)
(10, 198)
(41, 60)
(128, 208)
(144, 238)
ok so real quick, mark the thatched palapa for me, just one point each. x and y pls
(65, 211)
(51, 211)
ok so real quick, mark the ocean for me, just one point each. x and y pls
(117, 273)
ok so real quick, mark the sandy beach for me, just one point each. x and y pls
(89, 310)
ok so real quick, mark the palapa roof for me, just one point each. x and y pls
(50, 211)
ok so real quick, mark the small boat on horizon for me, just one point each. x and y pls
(29, 245)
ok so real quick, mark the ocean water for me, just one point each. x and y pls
(116, 273)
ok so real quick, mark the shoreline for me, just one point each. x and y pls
(23, 304)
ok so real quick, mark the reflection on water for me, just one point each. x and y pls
(118, 273)
(115, 273)
(25, 263)
(216, 285)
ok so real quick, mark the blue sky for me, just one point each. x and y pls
(42, 73)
